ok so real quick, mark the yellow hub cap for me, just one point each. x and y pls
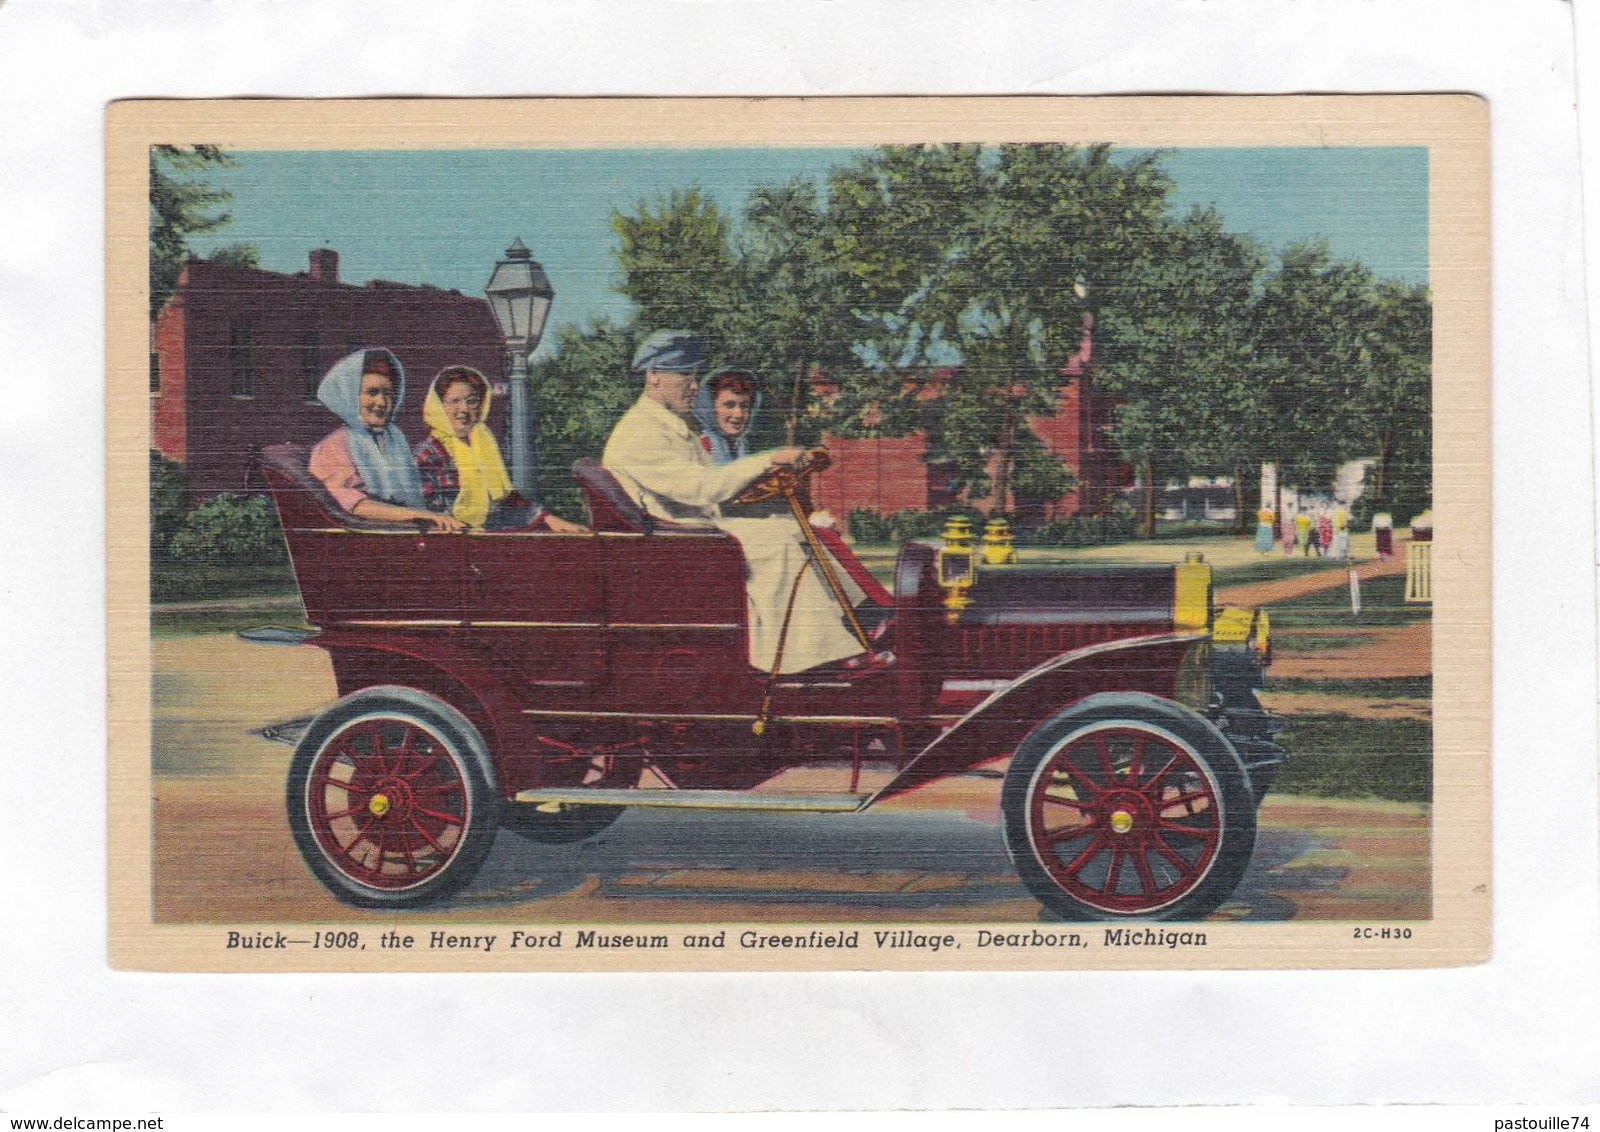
(1121, 821)
(380, 805)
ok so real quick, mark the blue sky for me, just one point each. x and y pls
(445, 217)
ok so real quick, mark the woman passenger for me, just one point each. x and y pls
(366, 465)
(726, 407)
(460, 466)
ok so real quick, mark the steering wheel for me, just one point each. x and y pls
(774, 481)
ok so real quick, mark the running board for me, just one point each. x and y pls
(698, 800)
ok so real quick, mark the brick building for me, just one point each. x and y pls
(889, 474)
(237, 353)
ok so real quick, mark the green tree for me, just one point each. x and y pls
(1180, 359)
(677, 262)
(963, 262)
(790, 320)
(1314, 334)
(183, 206)
(1397, 400)
(764, 294)
(169, 500)
(579, 393)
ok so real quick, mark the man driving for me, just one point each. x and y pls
(656, 456)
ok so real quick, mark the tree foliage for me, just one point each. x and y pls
(792, 320)
(1314, 338)
(579, 393)
(169, 498)
(677, 265)
(969, 264)
(1178, 356)
(939, 289)
(1397, 400)
(183, 205)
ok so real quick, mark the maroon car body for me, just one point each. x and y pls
(547, 681)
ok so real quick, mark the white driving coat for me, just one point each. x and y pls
(659, 461)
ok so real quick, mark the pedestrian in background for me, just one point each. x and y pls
(1302, 534)
(1264, 538)
(1341, 534)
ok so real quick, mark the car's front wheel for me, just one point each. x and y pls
(1127, 806)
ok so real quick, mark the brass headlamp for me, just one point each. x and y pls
(957, 565)
(997, 547)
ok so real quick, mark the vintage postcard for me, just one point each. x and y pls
(935, 534)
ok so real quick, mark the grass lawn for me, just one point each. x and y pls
(1340, 756)
(1397, 688)
(1383, 603)
(197, 622)
(170, 583)
(1269, 568)
(1300, 642)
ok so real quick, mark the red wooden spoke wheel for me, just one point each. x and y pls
(389, 800)
(1130, 810)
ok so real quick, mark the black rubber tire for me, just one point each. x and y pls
(446, 748)
(1204, 759)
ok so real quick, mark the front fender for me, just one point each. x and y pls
(997, 726)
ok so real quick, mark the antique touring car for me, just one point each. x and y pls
(545, 682)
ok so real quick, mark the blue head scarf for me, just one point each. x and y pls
(383, 460)
(724, 451)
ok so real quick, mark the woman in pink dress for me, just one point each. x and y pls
(366, 465)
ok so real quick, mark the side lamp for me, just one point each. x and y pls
(957, 565)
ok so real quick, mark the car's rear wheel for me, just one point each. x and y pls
(1128, 807)
(390, 799)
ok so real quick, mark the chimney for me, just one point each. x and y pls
(325, 265)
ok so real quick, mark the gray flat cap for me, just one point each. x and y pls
(670, 351)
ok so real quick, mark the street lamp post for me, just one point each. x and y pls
(519, 297)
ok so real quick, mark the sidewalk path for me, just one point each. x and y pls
(1258, 594)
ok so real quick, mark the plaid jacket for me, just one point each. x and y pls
(440, 481)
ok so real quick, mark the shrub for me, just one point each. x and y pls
(169, 495)
(1083, 530)
(229, 531)
(866, 525)
(905, 525)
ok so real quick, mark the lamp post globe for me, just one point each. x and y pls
(519, 297)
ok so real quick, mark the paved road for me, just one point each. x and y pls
(223, 852)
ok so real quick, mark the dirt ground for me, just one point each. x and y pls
(1292, 704)
(1385, 654)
